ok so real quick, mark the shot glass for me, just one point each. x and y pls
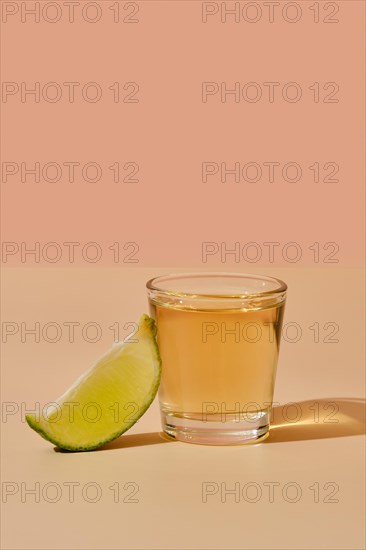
(219, 337)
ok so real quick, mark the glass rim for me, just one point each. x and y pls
(152, 285)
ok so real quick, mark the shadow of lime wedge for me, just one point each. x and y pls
(128, 441)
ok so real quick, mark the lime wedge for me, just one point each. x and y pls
(107, 399)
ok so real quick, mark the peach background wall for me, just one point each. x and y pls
(169, 131)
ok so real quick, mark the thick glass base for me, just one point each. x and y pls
(215, 432)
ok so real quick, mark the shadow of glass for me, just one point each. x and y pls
(318, 419)
(305, 420)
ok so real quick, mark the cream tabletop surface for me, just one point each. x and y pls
(302, 488)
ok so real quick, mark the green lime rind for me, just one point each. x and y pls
(147, 328)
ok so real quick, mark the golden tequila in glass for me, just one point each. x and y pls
(219, 337)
